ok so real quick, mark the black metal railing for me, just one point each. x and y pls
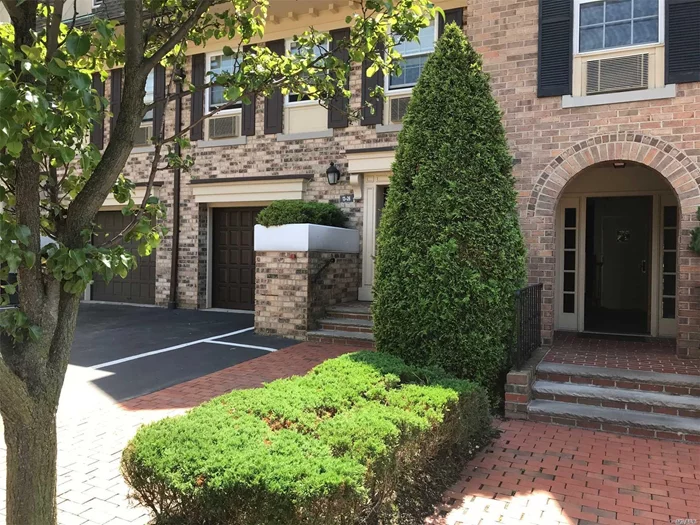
(528, 323)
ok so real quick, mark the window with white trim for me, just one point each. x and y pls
(618, 48)
(226, 123)
(294, 48)
(145, 132)
(301, 113)
(398, 86)
(608, 24)
(414, 55)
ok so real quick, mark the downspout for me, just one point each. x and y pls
(174, 259)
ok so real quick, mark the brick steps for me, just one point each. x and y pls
(633, 402)
(639, 400)
(674, 384)
(617, 420)
(342, 337)
(348, 324)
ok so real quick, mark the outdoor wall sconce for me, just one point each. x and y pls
(333, 174)
(619, 165)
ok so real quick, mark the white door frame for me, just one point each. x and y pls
(372, 181)
(575, 322)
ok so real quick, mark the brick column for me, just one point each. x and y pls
(292, 289)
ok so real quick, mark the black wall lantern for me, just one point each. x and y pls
(333, 174)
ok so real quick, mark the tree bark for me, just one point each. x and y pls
(31, 468)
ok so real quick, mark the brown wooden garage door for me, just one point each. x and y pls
(233, 258)
(140, 285)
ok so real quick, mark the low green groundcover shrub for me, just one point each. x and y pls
(363, 438)
(300, 212)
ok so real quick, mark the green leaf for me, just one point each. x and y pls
(29, 259)
(8, 96)
(78, 45)
(34, 332)
(14, 148)
(22, 232)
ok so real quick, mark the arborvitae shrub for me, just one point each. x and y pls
(300, 212)
(450, 250)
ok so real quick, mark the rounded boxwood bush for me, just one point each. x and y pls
(302, 212)
(450, 251)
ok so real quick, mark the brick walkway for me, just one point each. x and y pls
(657, 355)
(546, 475)
(535, 473)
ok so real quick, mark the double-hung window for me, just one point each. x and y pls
(398, 86)
(227, 122)
(609, 24)
(146, 131)
(618, 47)
(301, 113)
(414, 56)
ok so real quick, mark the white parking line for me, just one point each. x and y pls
(169, 349)
(241, 345)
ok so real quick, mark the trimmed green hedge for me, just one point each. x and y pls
(358, 439)
(300, 212)
(450, 254)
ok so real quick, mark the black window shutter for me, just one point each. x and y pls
(248, 111)
(274, 104)
(338, 105)
(115, 96)
(451, 15)
(159, 98)
(97, 134)
(199, 69)
(368, 85)
(682, 41)
(556, 38)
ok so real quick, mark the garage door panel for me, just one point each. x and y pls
(233, 262)
(139, 286)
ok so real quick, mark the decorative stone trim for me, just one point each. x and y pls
(670, 162)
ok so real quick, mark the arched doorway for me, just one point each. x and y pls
(617, 246)
(679, 174)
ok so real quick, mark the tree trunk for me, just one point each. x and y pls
(31, 469)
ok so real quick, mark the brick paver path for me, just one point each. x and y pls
(534, 472)
(546, 475)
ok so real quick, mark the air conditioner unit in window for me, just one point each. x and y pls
(143, 135)
(397, 109)
(224, 127)
(623, 73)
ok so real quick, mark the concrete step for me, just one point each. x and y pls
(610, 397)
(673, 384)
(354, 310)
(342, 337)
(348, 325)
(617, 420)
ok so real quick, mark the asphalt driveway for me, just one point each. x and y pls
(127, 351)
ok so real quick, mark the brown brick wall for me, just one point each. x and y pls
(292, 289)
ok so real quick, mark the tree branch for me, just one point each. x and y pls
(53, 27)
(178, 36)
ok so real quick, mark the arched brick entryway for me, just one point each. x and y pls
(670, 162)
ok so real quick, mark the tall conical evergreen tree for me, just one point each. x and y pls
(450, 251)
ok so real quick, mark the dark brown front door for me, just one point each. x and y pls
(233, 265)
(140, 284)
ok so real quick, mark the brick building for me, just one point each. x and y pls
(601, 102)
